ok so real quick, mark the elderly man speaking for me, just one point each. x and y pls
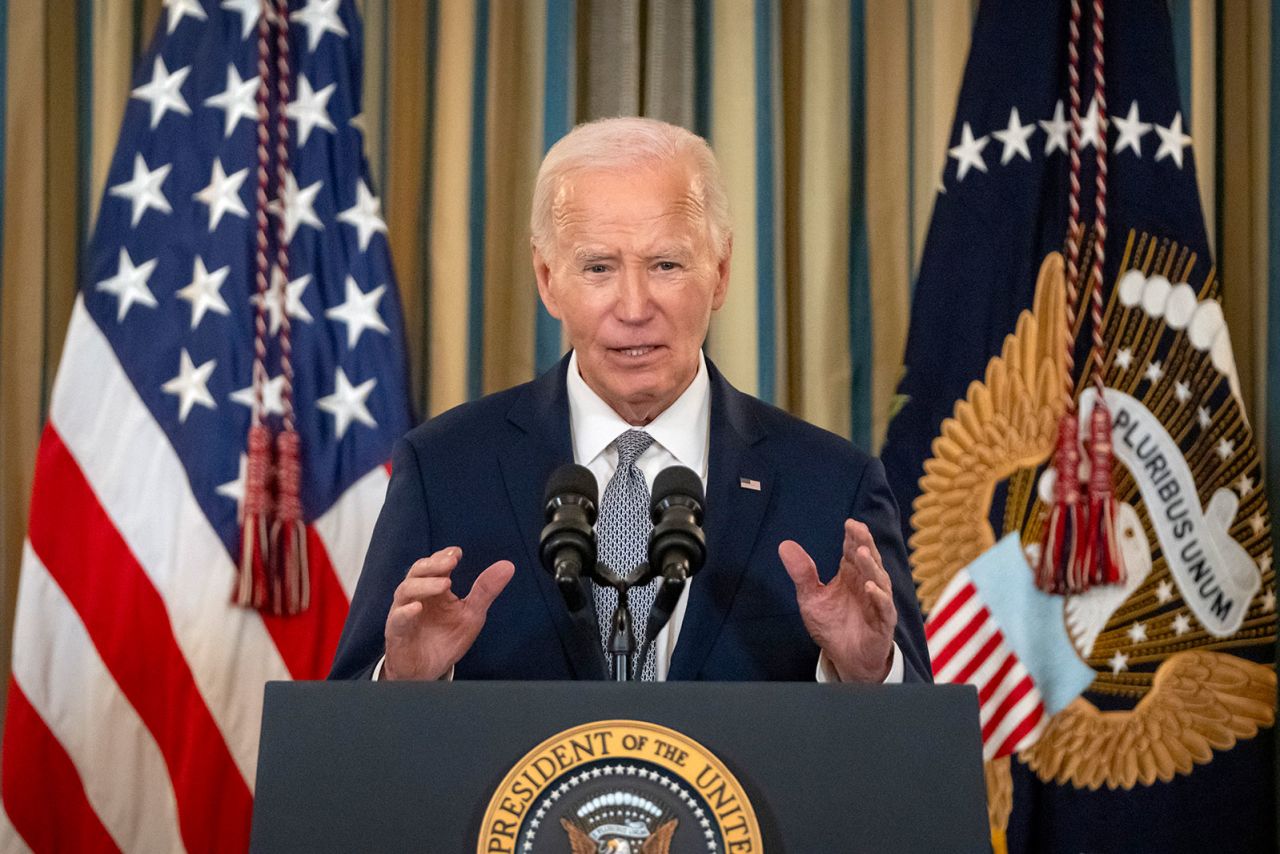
(806, 574)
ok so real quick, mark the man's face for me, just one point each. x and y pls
(634, 278)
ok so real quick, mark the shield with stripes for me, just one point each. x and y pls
(994, 629)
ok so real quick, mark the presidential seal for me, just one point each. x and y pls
(619, 787)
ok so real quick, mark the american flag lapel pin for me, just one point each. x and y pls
(749, 483)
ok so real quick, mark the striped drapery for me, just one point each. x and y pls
(830, 119)
(467, 98)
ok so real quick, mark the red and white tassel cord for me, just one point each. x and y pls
(258, 508)
(1101, 555)
(274, 571)
(288, 552)
(1058, 551)
(1079, 549)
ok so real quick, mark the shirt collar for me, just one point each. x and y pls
(681, 428)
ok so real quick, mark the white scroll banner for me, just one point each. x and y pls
(1214, 573)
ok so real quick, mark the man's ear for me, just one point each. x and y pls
(542, 272)
(722, 277)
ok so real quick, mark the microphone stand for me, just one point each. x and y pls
(622, 637)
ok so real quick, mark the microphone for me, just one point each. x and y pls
(568, 543)
(677, 545)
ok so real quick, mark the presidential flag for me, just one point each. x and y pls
(136, 696)
(1117, 717)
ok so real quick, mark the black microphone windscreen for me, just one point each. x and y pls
(571, 479)
(677, 480)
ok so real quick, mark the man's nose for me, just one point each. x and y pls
(635, 298)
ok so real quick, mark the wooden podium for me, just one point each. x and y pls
(363, 766)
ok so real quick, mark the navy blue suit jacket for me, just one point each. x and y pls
(474, 477)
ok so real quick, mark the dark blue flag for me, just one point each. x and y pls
(1136, 716)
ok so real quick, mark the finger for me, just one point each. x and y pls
(871, 570)
(849, 551)
(861, 559)
(801, 568)
(862, 536)
(442, 562)
(402, 617)
(490, 583)
(882, 603)
(419, 589)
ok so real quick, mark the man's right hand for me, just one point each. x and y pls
(429, 628)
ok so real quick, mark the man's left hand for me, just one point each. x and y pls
(851, 617)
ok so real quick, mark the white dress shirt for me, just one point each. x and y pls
(681, 436)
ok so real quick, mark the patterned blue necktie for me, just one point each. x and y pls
(623, 536)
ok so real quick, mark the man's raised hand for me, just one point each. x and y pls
(851, 617)
(429, 628)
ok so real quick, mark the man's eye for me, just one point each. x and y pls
(597, 269)
(668, 266)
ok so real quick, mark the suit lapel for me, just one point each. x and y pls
(732, 522)
(542, 414)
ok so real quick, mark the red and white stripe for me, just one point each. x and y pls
(136, 696)
(967, 647)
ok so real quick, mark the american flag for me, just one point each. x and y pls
(134, 707)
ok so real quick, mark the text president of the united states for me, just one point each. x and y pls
(806, 574)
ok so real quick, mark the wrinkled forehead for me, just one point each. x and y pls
(634, 195)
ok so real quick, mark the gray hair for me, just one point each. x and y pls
(622, 143)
